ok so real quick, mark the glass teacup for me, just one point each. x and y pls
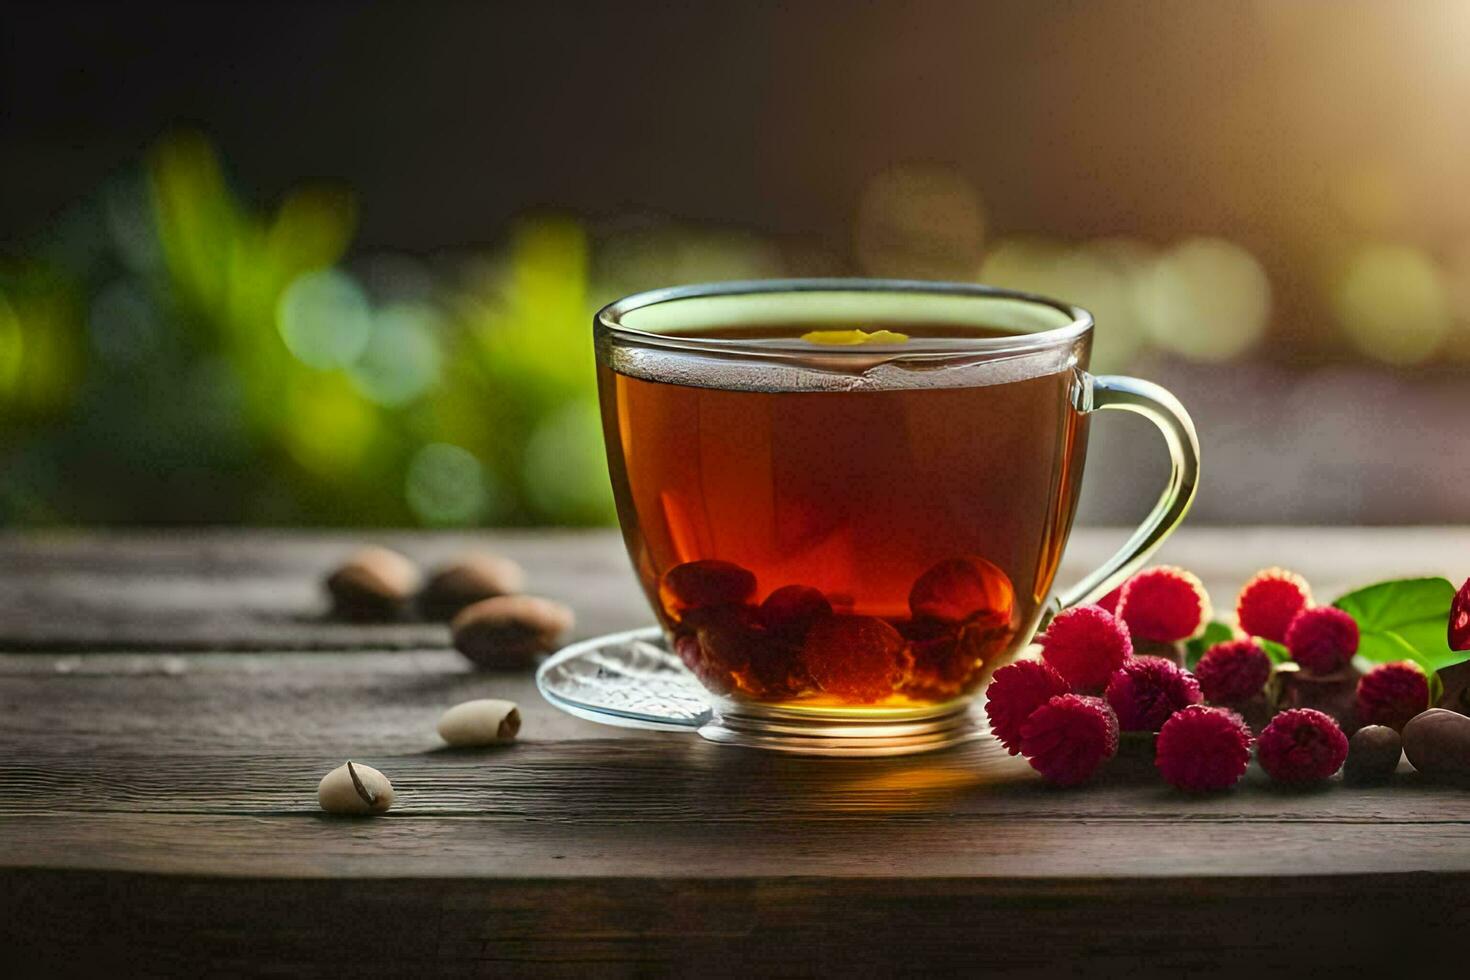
(847, 500)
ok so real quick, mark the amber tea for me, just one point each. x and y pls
(872, 539)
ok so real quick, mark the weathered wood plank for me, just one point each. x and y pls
(781, 926)
(228, 590)
(222, 590)
(1035, 846)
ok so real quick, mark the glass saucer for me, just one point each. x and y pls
(633, 680)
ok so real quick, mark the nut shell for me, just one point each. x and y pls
(1437, 743)
(339, 793)
(510, 630)
(375, 583)
(484, 721)
(1373, 753)
(468, 580)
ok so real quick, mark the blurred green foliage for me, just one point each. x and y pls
(169, 353)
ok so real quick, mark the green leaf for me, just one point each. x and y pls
(1405, 619)
(1215, 632)
(1276, 651)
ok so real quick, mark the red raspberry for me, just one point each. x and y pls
(1323, 639)
(1164, 604)
(1459, 631)
(1301, 745)
(855, 658)
(705, 583)
(1391, 694)
(1201, 749)
(1270, 601)
(1086, 645)
(1233, 671)
(1110, 601)
(1015, 691)
(959, 590)
(1068, 737)
(790, 611)
(1145, 691)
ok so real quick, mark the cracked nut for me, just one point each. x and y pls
(485, 721)
(510, 630)
(355, 788)
(375, 583)
(468, 580)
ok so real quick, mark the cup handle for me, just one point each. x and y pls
(1096, 394)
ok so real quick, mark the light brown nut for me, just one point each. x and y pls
(1373, 753)
(467, 580)
(484, 721)
(375, 583)
(1437, 743)
(510, 630)
(354, 788)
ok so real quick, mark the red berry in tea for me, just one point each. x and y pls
(1391, 694)
(1233, 671)
(1015, 691)
(714, 676)
(1270, 601)
(854, 658)
(1086, 645)
(949, 662)
(960, 590)
(791, 610)
(705, 583)
(1203, 749)
(1459, 626)
(1323, 639)
(1301, 746)
(1145, 691)
(1164, 604)
(1068, 737)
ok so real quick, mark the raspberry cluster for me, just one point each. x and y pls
(1064, 712)
(1048, 711)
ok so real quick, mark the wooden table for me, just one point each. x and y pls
(168, 702)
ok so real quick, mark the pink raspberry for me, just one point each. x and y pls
(1301, 745)
(1391, 694)
(1201, 749)
(1165, 604)
(1323, 639)
(1015, 691)
(1086, 645)
(1270, 601)
(1145, 691)
(1459, 629)
(1233, 671)
(1067, 738)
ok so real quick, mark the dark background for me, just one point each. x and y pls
(1325, 143)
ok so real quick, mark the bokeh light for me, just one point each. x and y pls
(565, 468)
(324, 319)
(401, 360)
(447, 486)
(1392, 303)
(1206, 299)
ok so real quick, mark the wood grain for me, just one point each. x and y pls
(222, 590)
(157, 803)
